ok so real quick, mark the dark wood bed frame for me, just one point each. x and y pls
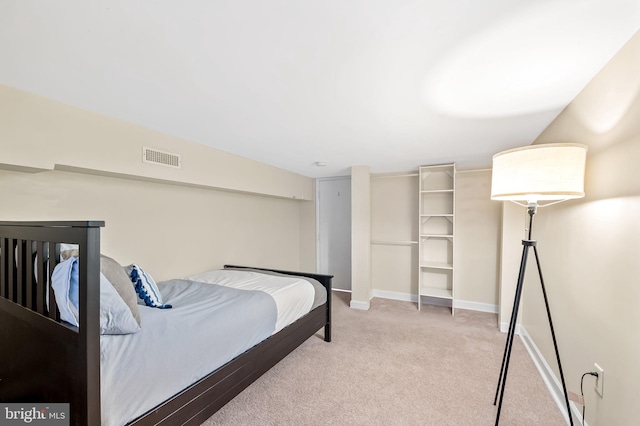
(43, 360)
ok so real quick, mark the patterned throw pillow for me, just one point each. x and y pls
(146, 287)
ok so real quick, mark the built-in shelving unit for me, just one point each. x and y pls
(436, 234)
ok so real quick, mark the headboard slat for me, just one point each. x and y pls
(11, 276)
(3, 268)
(19, 291)
(29, 281)
(41, 290)
(54, 254)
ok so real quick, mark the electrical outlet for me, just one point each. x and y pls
(599, 380)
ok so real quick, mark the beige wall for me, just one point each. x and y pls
(360, 237)
(477, 239)
(588, 247)
(40, 133)
(515, 223)
(172, 229)
(394, 221)
(307, 213)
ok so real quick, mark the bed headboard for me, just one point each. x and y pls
(41, 358)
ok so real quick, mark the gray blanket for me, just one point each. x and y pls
(208, 326)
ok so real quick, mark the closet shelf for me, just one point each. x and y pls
(441, 293)
(436, 265)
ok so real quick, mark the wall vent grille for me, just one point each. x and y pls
(154, 156)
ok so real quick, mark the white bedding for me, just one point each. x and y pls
(293, 296)
(141, 370)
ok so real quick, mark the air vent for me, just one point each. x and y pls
(153, 156)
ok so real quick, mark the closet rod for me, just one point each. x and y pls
(393, 175)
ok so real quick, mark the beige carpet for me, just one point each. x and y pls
(393, 365)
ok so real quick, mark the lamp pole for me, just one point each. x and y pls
(528, 243)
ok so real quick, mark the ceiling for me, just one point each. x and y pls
(392, 84)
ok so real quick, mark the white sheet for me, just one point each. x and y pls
(293, 296)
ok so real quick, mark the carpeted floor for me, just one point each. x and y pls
(393, 365)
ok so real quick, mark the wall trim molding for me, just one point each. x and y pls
(458, 304)
(359, 304)
(395, 295)
(549, 378)
(475, 306)
(504, 328)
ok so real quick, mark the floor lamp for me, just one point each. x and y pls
(551, 173)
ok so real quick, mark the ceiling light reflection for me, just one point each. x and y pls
(538, 59)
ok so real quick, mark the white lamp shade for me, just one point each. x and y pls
(539, 172)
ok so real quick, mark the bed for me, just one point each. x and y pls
(44, 359)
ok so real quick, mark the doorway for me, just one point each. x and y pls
(334, 230)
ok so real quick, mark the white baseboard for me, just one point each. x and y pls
(475, 306)
(459, 304)
(504, 328)
(359, 304)
(395, 295)
(550, 379)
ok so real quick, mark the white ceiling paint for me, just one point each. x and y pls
(389, 84)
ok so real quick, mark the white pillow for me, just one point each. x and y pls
(115, 315)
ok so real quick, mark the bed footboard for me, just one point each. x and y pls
(323, 279)
(43, 360)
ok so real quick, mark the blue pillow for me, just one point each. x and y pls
(65, 283)
(146, 288)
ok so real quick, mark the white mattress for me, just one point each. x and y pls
(293, 296)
